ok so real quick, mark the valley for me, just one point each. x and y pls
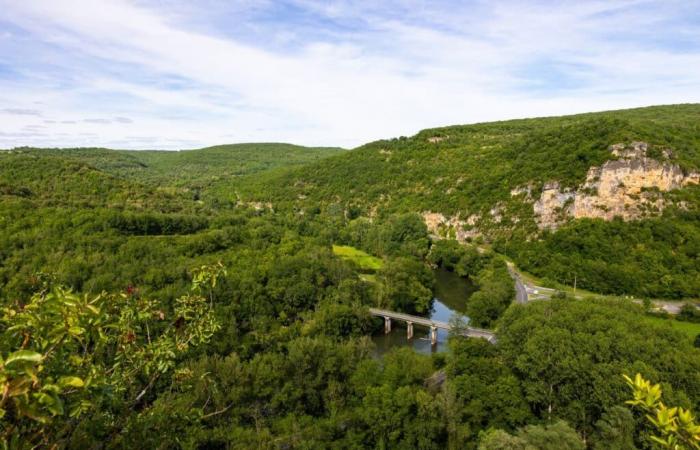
(226, 297)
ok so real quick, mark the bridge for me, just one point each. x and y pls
(434, 325)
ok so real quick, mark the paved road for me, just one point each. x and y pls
(520, 289)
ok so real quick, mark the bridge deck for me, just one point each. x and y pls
(469, 332)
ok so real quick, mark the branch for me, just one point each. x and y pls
(148, 386)
(216, 413)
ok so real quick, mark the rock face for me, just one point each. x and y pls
(440, 226)
(628, 187)
(553, 206)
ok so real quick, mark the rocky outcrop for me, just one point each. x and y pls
(554, 205)
(440, 226)
(629, 187)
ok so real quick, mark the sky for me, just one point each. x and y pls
(174, 74)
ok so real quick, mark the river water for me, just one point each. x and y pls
(451, 294)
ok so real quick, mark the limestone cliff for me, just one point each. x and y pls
(629, 187)
(440, 226)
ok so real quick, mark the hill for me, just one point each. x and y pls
(189, 168)
(143, 304)
(99, 219)
(609, 198)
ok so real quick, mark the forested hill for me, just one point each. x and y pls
(562, 184)
(146, 302)
(469, 169)
(187, 168)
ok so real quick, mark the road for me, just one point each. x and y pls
(520, 288)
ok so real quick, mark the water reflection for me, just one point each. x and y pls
(451, 292)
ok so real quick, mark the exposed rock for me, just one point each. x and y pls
(628, 187)
(526, 190)
(436, 139)
(473, 219)
(553, 206)
(440, 226)
(497, 213)
(433, 221)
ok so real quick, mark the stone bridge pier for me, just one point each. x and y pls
(433, 325)
(409, 330)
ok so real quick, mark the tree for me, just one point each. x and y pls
(689, 313)
(406, 285)
(557, 436)
(615, 430)
(495, 294)
(501, 440)
(63, 355)
(566, 366)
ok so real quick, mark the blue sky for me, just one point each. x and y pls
(180, 74)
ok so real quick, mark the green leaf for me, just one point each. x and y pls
(76, 331)
(71, 381)
(23, 355)
(51, 402)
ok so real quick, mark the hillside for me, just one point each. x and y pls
(189, 168)
(84, 215)
(609, 198)
(172, 313)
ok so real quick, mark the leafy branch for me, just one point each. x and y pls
(676, 427)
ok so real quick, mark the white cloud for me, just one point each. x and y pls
(392, 74)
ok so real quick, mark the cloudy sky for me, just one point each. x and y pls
(182, 74)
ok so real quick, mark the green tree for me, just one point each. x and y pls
(557, 436)
(63, 355)
(614, 430)
(566, 365)
(495, 294)
(405, 285)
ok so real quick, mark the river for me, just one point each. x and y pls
(451, 294)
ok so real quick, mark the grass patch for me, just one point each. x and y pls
(363, 260)
(689, 328)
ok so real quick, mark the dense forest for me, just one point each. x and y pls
(199, 300)
(471, 170)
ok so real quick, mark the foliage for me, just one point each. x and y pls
(690, 329)
(495, 294)
(558, 436)
(615, 430)
(566, 354)
(70, 354)
(471, 169)
(655, 257)
(689, 313)
(675, 426)
(195, 169)
(272, 351)
(405, 285)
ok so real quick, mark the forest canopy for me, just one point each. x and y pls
(166, 301)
